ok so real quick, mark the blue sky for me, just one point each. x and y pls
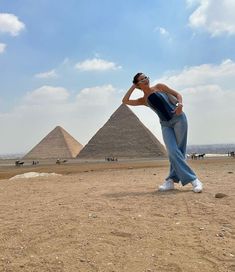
(70, 62)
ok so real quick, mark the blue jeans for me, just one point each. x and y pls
(174, 134)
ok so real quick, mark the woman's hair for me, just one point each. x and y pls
(135, 78)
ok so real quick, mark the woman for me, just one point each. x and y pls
(168, 105)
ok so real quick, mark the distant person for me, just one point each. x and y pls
(167, 104)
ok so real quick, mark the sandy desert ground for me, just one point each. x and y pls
(109, 217)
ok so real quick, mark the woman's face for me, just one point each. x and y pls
(143, 81)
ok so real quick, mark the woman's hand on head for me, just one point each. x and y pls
(134, 86)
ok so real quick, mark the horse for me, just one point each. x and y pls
(201, 156)
(194, 156)
(19, 163)
(232, 154)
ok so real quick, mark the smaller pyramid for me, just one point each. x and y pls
(123, 136)
(57, 144)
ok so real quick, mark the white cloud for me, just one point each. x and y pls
(46, 75)
(96, 96)
(2, 47)
(163, 32)
(214, 16)
(203, 74)
(46, 107)
(191, 3)
(9, 23)
(96, 64)
(47, 94)
(209, 94)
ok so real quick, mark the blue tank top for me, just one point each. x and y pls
(160, 103)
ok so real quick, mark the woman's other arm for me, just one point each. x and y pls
(162, 87)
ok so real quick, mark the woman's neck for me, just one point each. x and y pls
(147, 90)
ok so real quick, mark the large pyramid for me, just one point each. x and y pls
(123, 136)
(57, 144)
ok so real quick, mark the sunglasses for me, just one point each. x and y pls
(143, 79)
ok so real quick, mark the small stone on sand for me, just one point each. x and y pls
(220, 195)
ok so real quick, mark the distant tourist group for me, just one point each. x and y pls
(111, 159)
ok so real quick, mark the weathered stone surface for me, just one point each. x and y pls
(57, 144)
(123, 136)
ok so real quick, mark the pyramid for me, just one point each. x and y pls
(57, 144)
(123, 136)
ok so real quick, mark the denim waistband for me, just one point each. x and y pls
(173, 120)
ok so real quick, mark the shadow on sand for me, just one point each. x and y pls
(150, 193)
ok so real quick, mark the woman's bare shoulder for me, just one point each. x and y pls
(154, 89)
(160, 87)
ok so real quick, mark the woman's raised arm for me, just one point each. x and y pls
(133, 102)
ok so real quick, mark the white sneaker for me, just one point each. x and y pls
(197, 186)
(167, 185)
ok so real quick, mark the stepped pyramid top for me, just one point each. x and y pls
(123, 136)
(57, 144)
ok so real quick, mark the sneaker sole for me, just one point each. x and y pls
(197, 191)
(165, 190)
